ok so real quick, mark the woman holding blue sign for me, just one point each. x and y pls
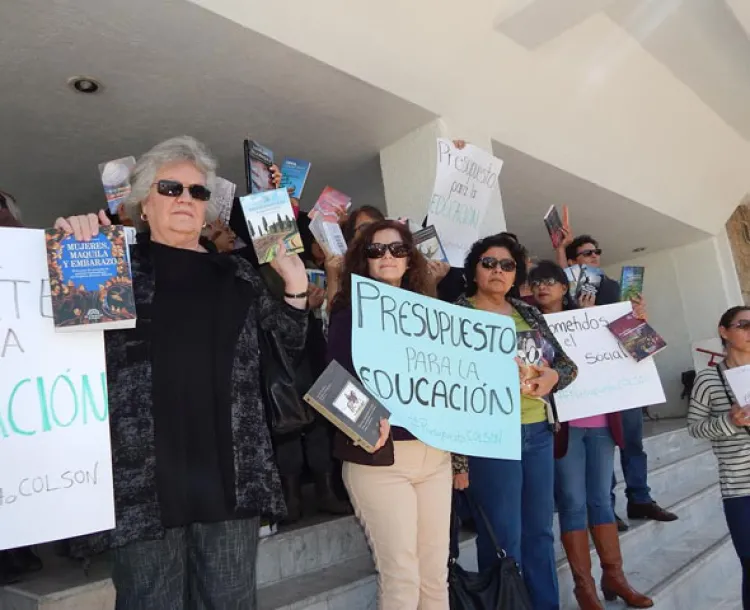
(585, 452)
(518, 496)
(401, 492)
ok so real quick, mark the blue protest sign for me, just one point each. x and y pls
(446, 373)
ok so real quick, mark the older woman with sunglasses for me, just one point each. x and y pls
(402, 492)
(191, 454)
(716, 414)
(585, 452)
(518, 496)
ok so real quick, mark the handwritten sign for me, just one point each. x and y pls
(464, 183)
(608, 379)
(55, 461)
(446, 373)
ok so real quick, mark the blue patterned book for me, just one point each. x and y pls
(294, 175)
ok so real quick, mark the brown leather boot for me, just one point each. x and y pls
(576, 546)
(614, 584)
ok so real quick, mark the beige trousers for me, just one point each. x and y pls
(405, 510)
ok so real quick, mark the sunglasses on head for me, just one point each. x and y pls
(587, 253)
(505, 264)
(547, 281)
(172, 188)
(398, 249)
(741, 325)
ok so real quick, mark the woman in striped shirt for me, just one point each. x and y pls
(716, 415)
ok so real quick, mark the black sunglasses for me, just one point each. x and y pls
(506, 264)
(587, 253)
(741, 325)
(398, 249)
(547, 281)
(172, 188)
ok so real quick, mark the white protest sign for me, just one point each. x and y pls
(55, 460)
(464, 184)
(608, 379)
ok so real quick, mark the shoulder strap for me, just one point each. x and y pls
(477, 509)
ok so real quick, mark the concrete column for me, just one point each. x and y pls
(408, 168)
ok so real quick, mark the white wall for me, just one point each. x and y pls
(686, 289)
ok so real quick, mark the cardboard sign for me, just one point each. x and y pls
(608, 379)
(55, 461)
(464, 184)
(446, 373)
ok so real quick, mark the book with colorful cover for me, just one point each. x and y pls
(637, 337)
(90, 282)
(258, 162)
(327, 232)
(554, 225)
(428, 243)
(331, 202)
(631, 282)
(115, 176)
(222, 199)
(348, 405)
(294, 174)
(317, 278)
(270, 218)
(583, 280)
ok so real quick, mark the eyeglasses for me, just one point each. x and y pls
(398, 249)
(547, 281)
(588, 253)
(741, 325)
(490, 262)
(172, 188)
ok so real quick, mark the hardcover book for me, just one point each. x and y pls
(342, 399)
(90, 282)
(294, 175)
(637, 337)
(222, 198)
(115, 176)
(331, 203)
(270, 218)
(429, 244)
(327, 232)
(554, 225)
(258, 162)
(631, 282)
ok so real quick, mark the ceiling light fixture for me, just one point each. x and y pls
(84, 84)
(641, 249)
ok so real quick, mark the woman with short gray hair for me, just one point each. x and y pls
(191, 453)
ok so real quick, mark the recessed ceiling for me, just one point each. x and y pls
(169, 68)
(529, 187)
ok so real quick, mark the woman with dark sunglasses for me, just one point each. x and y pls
(715, 413)
(192, 460)
(401, 492)
(585, 452)
(518, 496)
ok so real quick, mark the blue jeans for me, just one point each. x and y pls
(582, 479)
(736, 511)
(518, 499)
(633, 459)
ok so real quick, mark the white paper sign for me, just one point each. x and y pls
(739, 382)
(608, 379)
(464, 184)
(55, 461)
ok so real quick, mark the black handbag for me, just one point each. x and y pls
(499, 587)
(283, 383)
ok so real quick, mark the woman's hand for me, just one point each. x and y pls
(83, 227)
(334, 264)
(639, 307)
(740, 416)
(291, 269)
(315, 296)
(275, 176)
(460, 144)
(461, 481)
(541, 383)
(385, 432)
(438, 270)
(587, 300)
(222, 236)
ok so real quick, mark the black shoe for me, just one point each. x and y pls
(649, 510)
(621, 525)
(25, 559)
(326, 497)
(292, 488)
(9, 572)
